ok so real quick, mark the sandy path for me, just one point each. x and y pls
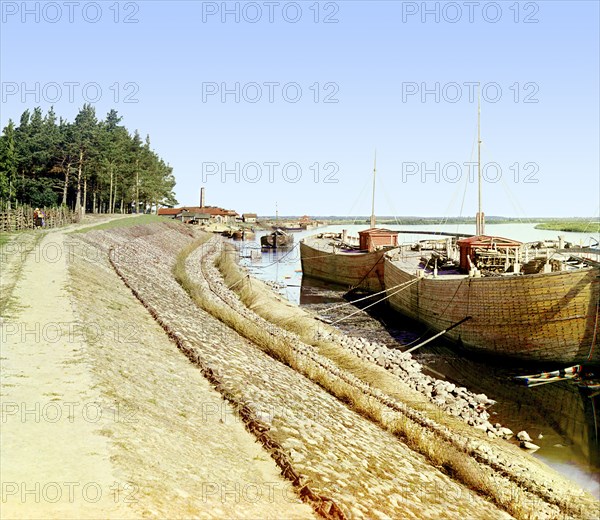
(55, 464)
(95, 424)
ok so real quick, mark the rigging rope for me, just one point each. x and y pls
(514, 201)
(389, 200)
(462, 204)
(367, 297)
(359, 197)
(374, 303)
(590, 221)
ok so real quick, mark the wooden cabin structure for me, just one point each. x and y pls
(377, 238)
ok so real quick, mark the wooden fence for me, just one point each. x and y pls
(21, 218)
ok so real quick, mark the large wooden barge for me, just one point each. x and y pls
(539, 311)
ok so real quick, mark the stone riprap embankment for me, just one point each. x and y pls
(364, 469)
(456, 400)
(471, 408)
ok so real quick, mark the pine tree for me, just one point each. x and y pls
(85, 135)
(8, 164)
(43, 162)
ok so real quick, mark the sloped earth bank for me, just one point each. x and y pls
(349, 460)
(502, 464)
(366, 471)
(102, 417)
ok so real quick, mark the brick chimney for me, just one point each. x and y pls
(202, 197)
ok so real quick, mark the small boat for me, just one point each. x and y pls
(279, 239)
(241, 234)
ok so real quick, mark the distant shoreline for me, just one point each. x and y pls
(577, 224)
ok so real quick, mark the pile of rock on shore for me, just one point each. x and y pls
(456, 400)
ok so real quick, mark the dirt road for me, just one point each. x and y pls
(55, 464)
(99, 422)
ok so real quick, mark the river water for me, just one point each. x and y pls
(560, 418)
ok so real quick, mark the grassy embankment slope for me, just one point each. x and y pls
(129, 220)
(436, 450)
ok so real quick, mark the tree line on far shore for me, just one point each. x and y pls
(87, 165)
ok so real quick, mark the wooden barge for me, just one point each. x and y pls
(279, 239)
(542, 311)
(339, 259)
(483, 292)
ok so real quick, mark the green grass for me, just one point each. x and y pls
(8, 236)
(123, 222)
(576, 226)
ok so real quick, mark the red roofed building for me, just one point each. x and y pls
(377, 238)
(219, 215)
(168, 212)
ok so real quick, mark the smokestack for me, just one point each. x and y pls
(202, 197)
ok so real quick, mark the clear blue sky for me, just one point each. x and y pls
(375, 60)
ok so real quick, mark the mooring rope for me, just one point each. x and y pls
(378, 301)
(245, 277)
(279, 259)
(367, 297)
(368, 273)
(429, 329)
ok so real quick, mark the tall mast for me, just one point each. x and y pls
(479, 218)
(373, 195)
(276, 216)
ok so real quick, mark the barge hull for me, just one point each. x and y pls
(551, 317)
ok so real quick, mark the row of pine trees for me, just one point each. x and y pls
(88, 165)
